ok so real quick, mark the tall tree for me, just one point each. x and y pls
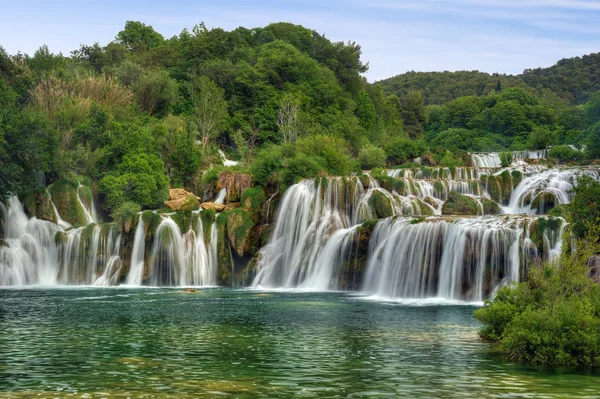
(209, 108)
(288, 118)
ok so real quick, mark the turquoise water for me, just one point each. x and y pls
(165, 343)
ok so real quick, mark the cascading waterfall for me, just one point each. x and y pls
(28, 251)
(550, 187)
(136, 269)
(388, 238)
(302, 252)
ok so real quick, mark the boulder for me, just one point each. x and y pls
(181, 200)
(458, 204)
(381, 204)
(213, 206)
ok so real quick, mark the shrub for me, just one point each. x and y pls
(564, 153)
(506, 158)
(553, 318)
(371, 157)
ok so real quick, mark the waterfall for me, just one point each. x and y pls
(463, 258)
(547, 188)
(226, 161)
(301, 240)
(90, 213)
(221, 196)
(136, 268)
(28, 251)
(202, 258)
(168, 255)
(65, 225)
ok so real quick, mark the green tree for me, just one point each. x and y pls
(139, 178)
(365, 111)
(209, 108)
(139, 37)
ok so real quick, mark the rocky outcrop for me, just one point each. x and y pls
(181, 200)
(458, 204)
(235, 184)
(593, 264)
(37, 203)
(381, 204)
(213, 206)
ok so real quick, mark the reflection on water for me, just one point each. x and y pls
(165, 343)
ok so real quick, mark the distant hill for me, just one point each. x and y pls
(574, 79)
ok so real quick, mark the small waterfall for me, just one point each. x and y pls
(226, 161)
(545, 189)
(90, 212)
(221, 196)
(136, 268)
(28, 252)
(308, 216)
(111, 261)
(60, 221)
(168, 255)
(451, 258)
(202, 258)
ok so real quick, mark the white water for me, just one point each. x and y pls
(221, 196)
(136, 268)
(90, 213)
(226, 161)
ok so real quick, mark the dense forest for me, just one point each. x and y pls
(145, 112)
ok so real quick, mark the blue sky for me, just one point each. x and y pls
(396, 36)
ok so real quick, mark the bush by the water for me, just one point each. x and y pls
(553, 318)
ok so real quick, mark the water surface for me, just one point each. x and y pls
(165, 343)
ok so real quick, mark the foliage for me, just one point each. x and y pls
(564, 153)
(371, 157)
(585, 206)
(553, 318)
(139, 178)
(506, 159)
(126, 215)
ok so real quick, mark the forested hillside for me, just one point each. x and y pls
(145, 112)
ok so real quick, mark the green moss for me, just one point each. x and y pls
(37, 203)
(517, 176)
(183, 220)
(252, 199)
(151, 221)
(381, 204)
(491, 207)
(64, 196)
(425, 210)
(560, 211)
(239, 225)
(208, 217)
(544, 201)
(458, 204)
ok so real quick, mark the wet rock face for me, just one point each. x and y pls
(594, 266)
(235, 184)
(181, 200)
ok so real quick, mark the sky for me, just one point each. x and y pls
(504, 36)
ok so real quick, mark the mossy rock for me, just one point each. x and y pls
(491, 207)
(458, 204)
(517, 176)
(381, 204)
(239, 226)
(151, 222)
(208, 217)
(183, 220)
(225, 260)
(234, 183)
(64, 196)
(425, 210)
(252, 199)
(4, 244)
(38, 203)
(544, 202)
(353, 269)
